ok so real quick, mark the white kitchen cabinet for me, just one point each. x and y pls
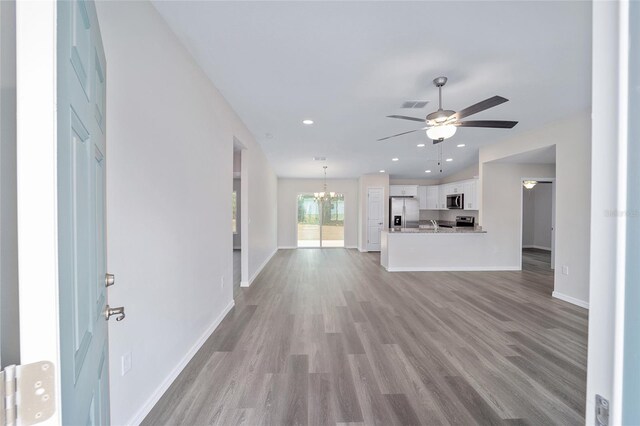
(470, 191)
(422, 197)
(403, 190)
(442, 196)
(432, 197)
(456, 187)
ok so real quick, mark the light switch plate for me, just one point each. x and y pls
(565, 270)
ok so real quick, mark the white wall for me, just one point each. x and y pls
(536, 216)
(9, 315)
(572, 138)
(376, 180)
(170, 138)
(288, 191)
(464, 174)
(502, 214)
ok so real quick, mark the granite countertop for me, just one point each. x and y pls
(454, 230)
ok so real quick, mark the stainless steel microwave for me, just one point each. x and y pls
(455, 201)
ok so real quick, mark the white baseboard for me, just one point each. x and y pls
(351, 247)
(452, 268)
(287, 247)
(570, 299)
(255, 275)
(533, 246)
(155, 397)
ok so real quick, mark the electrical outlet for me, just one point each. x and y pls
(565, 270)
(126, 363)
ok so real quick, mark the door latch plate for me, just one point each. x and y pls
(602, 411)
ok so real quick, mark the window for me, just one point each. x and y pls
(320, 224)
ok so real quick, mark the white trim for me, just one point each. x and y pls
(536, 247)
(36, 155)
(168, 381)
(350, 247)
(451, 268)
(255, 275)
(287, 247)
(570, 299)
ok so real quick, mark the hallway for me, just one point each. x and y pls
(327, 336)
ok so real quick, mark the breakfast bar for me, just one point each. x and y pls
(442, 249)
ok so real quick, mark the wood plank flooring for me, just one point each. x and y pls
(329, 337)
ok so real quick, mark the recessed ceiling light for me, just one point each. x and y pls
(427, 171)
(307, 122)
(449, 159)
(381, 171)
(420, 145)
(395, 159)
(460, 145)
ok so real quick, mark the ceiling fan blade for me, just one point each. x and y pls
(403, 133)
(496, 124)
(480, 106)
(404, 117)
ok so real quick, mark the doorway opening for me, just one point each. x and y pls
(238, 227)
(320, 223)
(538, 224)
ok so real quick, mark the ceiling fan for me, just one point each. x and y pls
(443, 123)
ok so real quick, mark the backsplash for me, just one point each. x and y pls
(446, 214)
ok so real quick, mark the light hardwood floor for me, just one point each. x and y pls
(327, 336)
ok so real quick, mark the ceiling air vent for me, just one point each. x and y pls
(319, 158)
(414, 104)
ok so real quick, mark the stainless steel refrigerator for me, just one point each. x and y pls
(404, 212)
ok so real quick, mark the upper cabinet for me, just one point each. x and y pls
(442, 197)
(422, 197)
(403, 190)
(434, 197)
(433, 192)
(470, 190)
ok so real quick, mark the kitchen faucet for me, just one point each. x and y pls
(435, 224)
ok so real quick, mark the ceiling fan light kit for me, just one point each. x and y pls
(443, 123)
(442, 132)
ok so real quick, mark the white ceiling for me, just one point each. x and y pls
(347, 65)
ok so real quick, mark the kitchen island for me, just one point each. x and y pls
(442, 249)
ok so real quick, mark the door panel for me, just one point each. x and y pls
(375, 217)
(81, 215)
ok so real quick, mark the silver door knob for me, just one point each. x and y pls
(109, 280)
(109, 312)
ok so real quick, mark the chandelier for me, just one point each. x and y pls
(324, 196)
(529, 184)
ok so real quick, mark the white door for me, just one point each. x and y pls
(375, 217)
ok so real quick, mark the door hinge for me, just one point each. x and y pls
(27, 393)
